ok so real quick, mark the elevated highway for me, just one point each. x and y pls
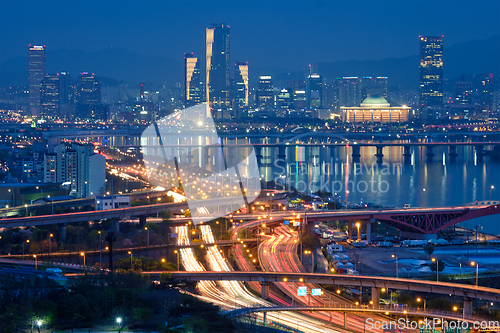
(374, 282)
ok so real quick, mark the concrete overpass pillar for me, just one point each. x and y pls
(258, 154)
(380, 151)
(369, 231)
(345, 320)
(349, 230)
(142, 221)
(265, 290)
(62, 233)
(468, 306)
(375, 296)
(115, 224)
(265, 318)
(356, 151)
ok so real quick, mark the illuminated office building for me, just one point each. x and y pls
(217, 70)
(315, 91)
(49, 95)
(375, 109)
(431, 71)
(90, 89)
(36, 67)
(192, 81)
(265, 93)
(241, 84)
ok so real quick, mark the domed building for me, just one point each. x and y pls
(375, 109)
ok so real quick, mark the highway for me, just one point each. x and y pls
(233, 294)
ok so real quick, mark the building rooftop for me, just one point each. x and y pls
(375, 100)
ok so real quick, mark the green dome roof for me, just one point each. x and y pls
(378, 100)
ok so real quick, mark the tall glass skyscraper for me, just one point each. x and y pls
(49, 95)
(315, 91)
(36, 67)
(241, 82)
(265, 93)
(192, 81)
(217, 70)
(431, 71)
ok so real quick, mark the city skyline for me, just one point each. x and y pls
(338, 40)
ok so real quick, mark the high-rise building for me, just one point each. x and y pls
(462, 92)
(241, 85)
(265, 93)
(348, 91)
(284, 100)
(66, 91)
(36, 67)
(217, 70)
(373, 86)
(315, 91)
(49, 95)
(90, 89)
(193, 87)
(431, 71)
(486, 92)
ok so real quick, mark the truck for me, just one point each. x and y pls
(414, 242)
(359, 244)
(384, 244)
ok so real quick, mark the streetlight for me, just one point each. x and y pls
(477, 270)
(119, 322)
(423, 191)
(397, 270)
(36, 262)
(492, 187)
(456, 308)
(130, 252)
(437, 268)
(146, 228)
(419, 300)
(83, 255)
(50, 242)
(26, 241)
(100, 250)
(26, 206)
(177, 252)
(312, 259)
(358, 225)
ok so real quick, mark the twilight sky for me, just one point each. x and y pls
(264, 33)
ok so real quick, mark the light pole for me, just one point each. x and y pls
(358, 225)
(146, 228)
(130, 252)
(119, 322)
(456, 308)
(36, 262)
(477, 270)
(423, 191)
(177, 252)
(437, 268)
(50, 242)
(26, 241)
(397, 270)
(26, 206)
(83, 255)
(100, 250)
(491, 188)
(419, 300)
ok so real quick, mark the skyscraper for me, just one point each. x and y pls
(241, 83)
(431, 72)
(192, 81)
(315, 91)
(36, 67)
(90, 89)
(265, 93)
(49, 95)
(217, 69)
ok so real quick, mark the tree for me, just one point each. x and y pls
(429, 249)
(434, 264)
